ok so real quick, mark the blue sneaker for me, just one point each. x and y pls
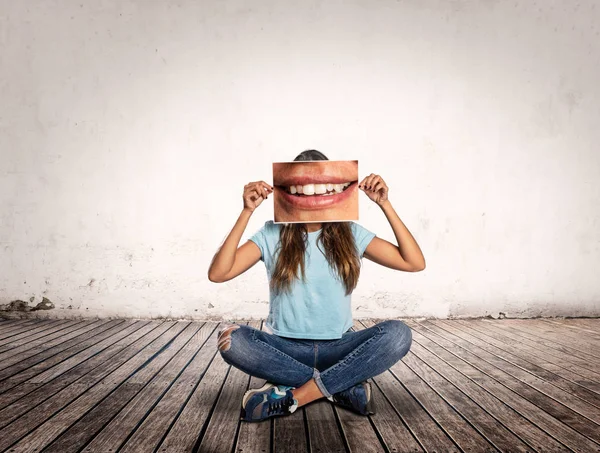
(270, 400)
(357, 398)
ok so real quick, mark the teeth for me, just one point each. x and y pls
(308, 189)
(318, 189)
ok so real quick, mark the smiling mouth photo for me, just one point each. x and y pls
(316, 191)
(317, 195)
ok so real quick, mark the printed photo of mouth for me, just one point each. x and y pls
(315, 191)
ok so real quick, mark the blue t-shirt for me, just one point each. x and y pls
(318, 309)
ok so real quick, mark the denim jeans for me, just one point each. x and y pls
(335, 365)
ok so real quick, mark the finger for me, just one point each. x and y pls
(264, 191)
(362, 183)
(367, 185)
(369, 181)
(249, 191)
(375, 180)
(253, 195)
(377, 186)
(257, 187)
(270, 187)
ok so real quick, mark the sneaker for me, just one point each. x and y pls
(357, 398)
(270, 400)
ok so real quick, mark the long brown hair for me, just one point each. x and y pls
(337, 244)
(335, 238)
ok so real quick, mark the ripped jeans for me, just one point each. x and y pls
(335, 365)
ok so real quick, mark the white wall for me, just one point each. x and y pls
(128, 129)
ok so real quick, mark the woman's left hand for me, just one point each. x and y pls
(375, 188)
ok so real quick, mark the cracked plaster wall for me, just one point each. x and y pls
(129, 128)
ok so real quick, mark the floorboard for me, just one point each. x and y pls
(477, 385)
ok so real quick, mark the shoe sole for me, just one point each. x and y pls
(252, 392)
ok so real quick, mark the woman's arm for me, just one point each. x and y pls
(407, 255)
(231, 261)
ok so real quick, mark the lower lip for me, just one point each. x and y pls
(315, 202)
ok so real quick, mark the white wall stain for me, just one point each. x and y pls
(129, 128)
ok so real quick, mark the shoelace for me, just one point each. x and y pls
(280, 405)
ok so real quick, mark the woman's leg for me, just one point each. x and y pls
(277, 359)
(357, 356)
(360, 355)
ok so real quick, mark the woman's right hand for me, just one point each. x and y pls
(255, 193)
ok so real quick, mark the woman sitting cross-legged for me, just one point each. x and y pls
(309, 351)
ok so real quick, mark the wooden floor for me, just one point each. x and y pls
(160, 386)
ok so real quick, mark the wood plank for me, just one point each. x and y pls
(545, 381)
(256, 437)
(363, 433)
(153, 423)
(24, 351)
(33, 331)
(36, 429)
(571, 331)
(323, 430)
(222, 428)
(432, 339)
(390, 425)
(23, 327)
(426, 431)
(129, 340)
(585, 341)
(11, 328)
(591, 325)
(592, 322)
(490, 377)
(538, 354)
(451, 408)
(124, 410)
(358, 431)
(8, 321)
(577, 352)
(289, 434)
(324, 433)
(189, 426)
(34, 371)
(430, 435)
(36, 357)
(566, 435)
(23, 344)
(584, 344)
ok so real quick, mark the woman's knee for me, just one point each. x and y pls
(399, 337)
(235, 340)
(224, 337)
